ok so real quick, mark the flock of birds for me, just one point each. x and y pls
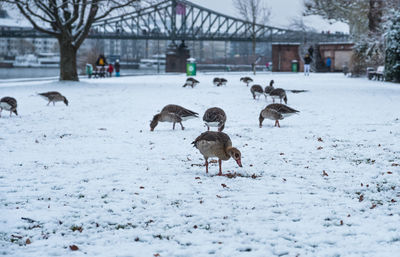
(217, 143)
(10, 103)
(210, 143)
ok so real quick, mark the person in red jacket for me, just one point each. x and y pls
(110, 70)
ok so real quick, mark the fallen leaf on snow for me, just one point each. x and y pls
(223, 185)
(320, 139)
(324, 173)
(361, 198)
(28, 241)
(319, 148)
(73, 247)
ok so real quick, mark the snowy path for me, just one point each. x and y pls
(93, 175)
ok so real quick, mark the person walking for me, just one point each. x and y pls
(307, 62)
(117, 68)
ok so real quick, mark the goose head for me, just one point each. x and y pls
(154, 122)
(235, 154)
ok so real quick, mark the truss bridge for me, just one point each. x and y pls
(183, 20)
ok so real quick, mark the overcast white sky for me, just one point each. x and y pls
(282, 11)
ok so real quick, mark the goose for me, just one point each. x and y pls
(54, 97)
(172, 113)
(191, 82)
(256, 90)
(276, 112)
(223, 81)
(217, 144)
(269, 88)
(278, 93)
(217, 82)
(246, 80)
(9, 104)
(215, 117)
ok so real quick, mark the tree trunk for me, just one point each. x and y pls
(68, 69)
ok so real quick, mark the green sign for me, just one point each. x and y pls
(191, 69)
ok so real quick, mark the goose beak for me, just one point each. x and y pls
(151, 129)
(239, 162)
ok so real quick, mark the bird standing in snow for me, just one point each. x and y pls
(217, 144)
(9, 104)
(172, 113)
(54, 97)
(215, 117)
(276, 112)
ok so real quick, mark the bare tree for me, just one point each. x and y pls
(69, 21)
(297, 23)
(254, 11)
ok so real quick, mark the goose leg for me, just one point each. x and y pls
(1, 109)
(206, 165)
(48, 103)
(10, 113)
(220, 167)
(173, 126)
(182, 126)
(54, 103)
(276, 121)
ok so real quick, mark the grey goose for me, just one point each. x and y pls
(9, 104)
(215, 117)
(276, 112)
(172, 113)
(54, 96)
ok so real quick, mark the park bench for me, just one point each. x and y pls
(377, 74)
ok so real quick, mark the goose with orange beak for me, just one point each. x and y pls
(217, 144)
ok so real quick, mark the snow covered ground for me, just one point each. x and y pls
(327, 183)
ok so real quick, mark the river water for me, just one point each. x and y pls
(20, 73)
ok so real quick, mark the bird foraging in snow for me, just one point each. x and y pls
(217, 144)
(191, 82)
(276, 112)
(9, 104)
(172, 113)
(54, 97)
(217, 82)
(256, 90)
(278, 93)
(246, 80)
(215, 117)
